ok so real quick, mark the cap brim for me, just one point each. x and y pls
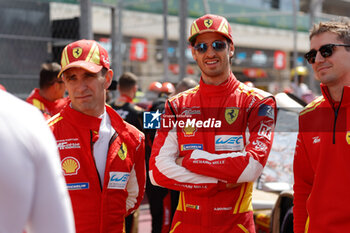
(191, 38)
(89, 66)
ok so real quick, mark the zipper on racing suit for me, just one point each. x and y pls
(93, 157)
(336, 112)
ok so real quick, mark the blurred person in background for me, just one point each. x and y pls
(133, 114)
(33, 194)
(102, 156)
(185, 84)
(299, 87)
(49, 97)
(165, 91)
(152, 94)
(214, 168)
(321, 160)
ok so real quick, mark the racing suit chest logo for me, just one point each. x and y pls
(231, 115)
(70, 166)
(123, 151)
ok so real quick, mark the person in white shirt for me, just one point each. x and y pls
(33, 194)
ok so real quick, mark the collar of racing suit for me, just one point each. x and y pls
(224, 88)
(345, 99)
(83, 120)
(124, 98)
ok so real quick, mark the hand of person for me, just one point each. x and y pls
(232, 185)
(179, 161)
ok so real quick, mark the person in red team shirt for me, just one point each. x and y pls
(102, 156)
(214, 160)
(321, 160)
(49, 97)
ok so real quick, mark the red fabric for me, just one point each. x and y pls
(48, 108)
(125, 99)
(98, 209)
(321, 166)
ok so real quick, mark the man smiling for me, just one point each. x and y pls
(321, 162)
(215, 167)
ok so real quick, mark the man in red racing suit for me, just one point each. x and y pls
(322, 153)
(100, 207)
(213, 143)
(102, 156)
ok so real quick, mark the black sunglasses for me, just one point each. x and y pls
(217, 46)
(325, 51)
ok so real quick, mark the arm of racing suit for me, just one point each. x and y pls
(163, 168)
(245, 166)
(137, 180)
(303, 180)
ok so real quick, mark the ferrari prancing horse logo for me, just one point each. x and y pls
(77, 52)
(208, 22)
(231, 115)
(123, 151)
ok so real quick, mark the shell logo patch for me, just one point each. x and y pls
(123, 151)
(208, 23)
(70, 166)
(348, 137)
(77, 52)
(231, 115)
(189, 130)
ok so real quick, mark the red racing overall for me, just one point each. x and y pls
(225, 134)
(100, 207)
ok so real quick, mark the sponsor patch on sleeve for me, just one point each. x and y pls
(78, 186)
(266, 110)
(118, 180)
(193, 146)
(265, 131)
(229, 143)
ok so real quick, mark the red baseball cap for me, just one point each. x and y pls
(86, 54)
(210, 23)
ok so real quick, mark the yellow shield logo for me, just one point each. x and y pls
(231, 115)
(122, 151)
(208, 23)
(77, 52)
(348, 137)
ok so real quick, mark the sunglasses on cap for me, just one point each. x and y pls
(216, 45)
(325, 51)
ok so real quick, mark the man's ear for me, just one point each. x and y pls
(194, 54)
(232, 49)
(109, 78)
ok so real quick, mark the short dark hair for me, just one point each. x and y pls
(48, 74)
(185, 84)
(127, 81)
